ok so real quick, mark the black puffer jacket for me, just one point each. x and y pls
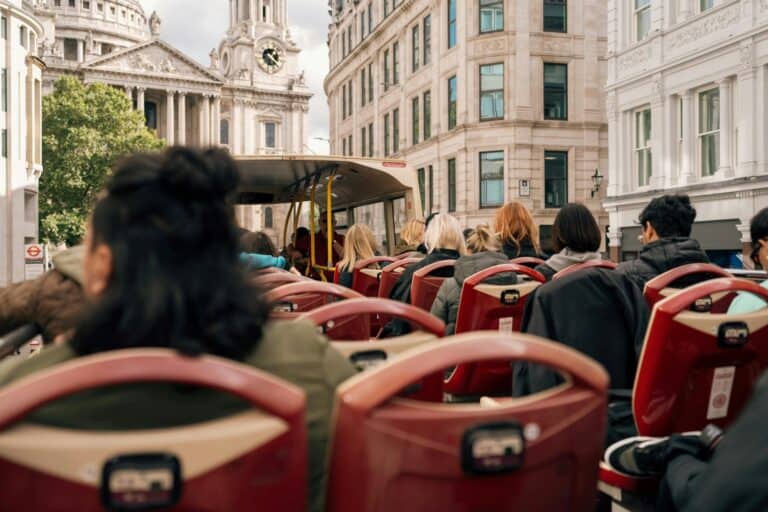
(661, 256)
(446, 305)
(526, 249)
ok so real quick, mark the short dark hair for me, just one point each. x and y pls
(576, 228)
(670, 215)
(259, 243)
(758, 227)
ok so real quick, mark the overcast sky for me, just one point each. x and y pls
(195, 27)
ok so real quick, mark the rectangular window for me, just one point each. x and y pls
(370, 82)
(351, 147)
(71, 3)
(350, 92)
(4, 85)
(706, 4)
(452, 97)
(491, 91)
(349, 39)
(491, 16)
(386, 69)
(422, 189)
(370, 17)
(268, 221)
(343, 45)
(431, 190)
(452, 185)
(555, 16)
(451, 23)
(491, 179)
(270, 135)
(363, 141)
(642, 19)
(427, 105)
(4, 27)
(386, 134)
(427, 33)
(362, 27)
(344, 146)
(556, 91)
(370, 140)
(709, 131)
(343, 101)
(363, 95)
(395, 63)
(23, 41)
(415, 48)
(5, 143)
(555, 179)
(396, 130)
(643, 163)
(415, 120)
(386, 8)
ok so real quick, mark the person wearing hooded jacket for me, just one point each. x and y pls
(576, 239)
(483, 247)
(666, 223)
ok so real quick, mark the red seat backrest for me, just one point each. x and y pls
(365, 280)
(391, 273)
(258, 456)
(393, 454)
(424, 286)
(582, 266)
(528, 261)
(661, 286)
(695, 367)
(272, 280)
(490, 307)
(290, 300)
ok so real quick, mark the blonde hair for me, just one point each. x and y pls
(482, 239)
(359, 244)
(514, 224)
(413, 232)
(444, 232)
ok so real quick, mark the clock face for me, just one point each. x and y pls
(270, 58)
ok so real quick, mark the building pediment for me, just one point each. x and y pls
(154, 58)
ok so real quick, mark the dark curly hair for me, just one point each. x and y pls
(758, 230)
(670, 215)
(176, 282)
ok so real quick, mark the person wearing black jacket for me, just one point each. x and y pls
(517, 231)
(666, 222)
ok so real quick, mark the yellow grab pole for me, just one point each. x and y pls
(329, 215)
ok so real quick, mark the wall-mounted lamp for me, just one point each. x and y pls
(597, 180)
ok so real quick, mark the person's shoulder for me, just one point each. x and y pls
(747, 303)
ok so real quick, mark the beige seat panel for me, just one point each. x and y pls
(371, 272)
(391, 346)
(710, 323)
(79, 456)
(495, 290)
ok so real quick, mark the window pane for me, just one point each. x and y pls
(427, 115)
(415, 48)
(427, 39)
(555, 179)
(555, 91)
(269, 135)
(396, 130)
(706, 4)
(709, 111)
(710, 157)
(491, 178)
(492, 77)
(451, 23)
(415, 120)
(421, 176)
(452, 185)
(491, 15)
(643, 20)
(555, 16)
(452, 103)
(396, 63)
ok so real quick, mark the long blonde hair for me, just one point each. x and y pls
(482, 239)
(413, 232)
(444, 232)
(359, 244)
(514, 224)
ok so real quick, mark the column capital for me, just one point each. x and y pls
(725, 81)
(170, 92)
(687, 94)
(141, 89)
(182, 94)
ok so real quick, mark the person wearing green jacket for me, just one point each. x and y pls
(161, 269)
(746, 302)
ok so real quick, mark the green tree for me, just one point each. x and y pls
(86, 129)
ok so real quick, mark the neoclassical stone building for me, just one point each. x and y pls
(687, 100)
(20, 135)
(251, 96)
(490, 100)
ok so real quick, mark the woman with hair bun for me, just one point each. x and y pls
(161, 269)
(483, 248)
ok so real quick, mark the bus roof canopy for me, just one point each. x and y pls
(359, 181)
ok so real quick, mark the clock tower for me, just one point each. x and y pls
(265, 100)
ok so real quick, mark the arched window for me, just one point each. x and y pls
(224, 134)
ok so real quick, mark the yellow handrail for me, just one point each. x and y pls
(329, 216)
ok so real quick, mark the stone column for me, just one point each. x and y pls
(613, 146)
(726, 128)
(129, 93)
(237, 127)
(614, 241)
(170, 116)
(746, 242)
(748, 110)
(687, 158)
(215, 123)
(671, 160)
(140, 99)
(658, 136)
(80, 51)
(182, 135)
(205, 121)
(686, 10)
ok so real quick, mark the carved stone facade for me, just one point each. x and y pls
(506, 122)
(237, 100)
(703, 77)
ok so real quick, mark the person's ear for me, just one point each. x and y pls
(649, 233)
(100, 270)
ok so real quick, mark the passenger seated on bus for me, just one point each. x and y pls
(53, 301)
(444, 241)
(746, 302)
(706, 470)
(258, 252)
(411, 238)
(666, 223)
(304, 245)
(483, 248)
(518, 233)
(576, 239)
(161, 269)
(359, 244)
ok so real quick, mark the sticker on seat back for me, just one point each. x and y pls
(720, 393)
(507, 325)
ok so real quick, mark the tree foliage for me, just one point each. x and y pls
(86, 129)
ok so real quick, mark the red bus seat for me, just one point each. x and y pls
(587, 264)
(365, 280)
(290, 300)
(272, 280)
(538, 453)
(258, 456)
(528, 261)
(672, 281)
(490, 307)
(424, 286)
(696, 368)
(391, 273)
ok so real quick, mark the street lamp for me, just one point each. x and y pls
(597, 180)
